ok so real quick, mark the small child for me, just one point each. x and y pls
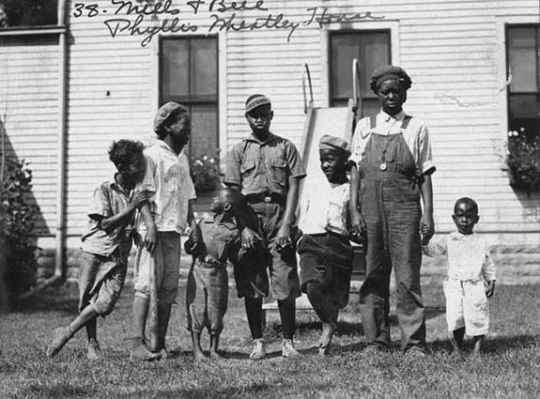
(470, 279)
(326, 254)
(208, 284)
(106, 245)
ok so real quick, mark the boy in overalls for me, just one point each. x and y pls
(391, 153)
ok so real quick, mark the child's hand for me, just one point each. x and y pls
(426, 236)
(195, 244)
(490, 289)
(150, 239)
(358, 228)
(140, 197)
(427, 227)
(249, 238)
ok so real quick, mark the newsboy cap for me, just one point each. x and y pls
(389, 72)
(165, 112)
(328, 142)
(255, 101)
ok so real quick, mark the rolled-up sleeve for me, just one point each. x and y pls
(425, 156)
(232, 170)
(295, 163)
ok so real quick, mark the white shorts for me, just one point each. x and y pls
(466, 306)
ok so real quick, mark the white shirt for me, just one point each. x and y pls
(467, 256)
(167, 175)
(324, 207)
(416, 136)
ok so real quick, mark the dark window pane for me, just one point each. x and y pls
(204, 140)
(372, 49)
(28, 13)
(205, 64)
(523, 106)
(175, 68)
(522, 55)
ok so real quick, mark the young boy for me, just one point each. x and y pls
(106, 245)
(158, 254)
(267, 169)
(326, 254)
(470, 278)
(208, 283)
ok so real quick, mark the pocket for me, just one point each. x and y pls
(247, 167)
(279, 171)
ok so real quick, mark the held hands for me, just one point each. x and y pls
(249, 238)
(195, 244)
(139, 198)
(358, 228)
(283, 237)
(427, 227)
(490, 288)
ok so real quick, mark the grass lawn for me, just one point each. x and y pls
(510, 367)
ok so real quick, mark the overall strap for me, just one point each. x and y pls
(406, 121)
(372, 122)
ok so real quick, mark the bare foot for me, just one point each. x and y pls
(199, 356)
(214, 355)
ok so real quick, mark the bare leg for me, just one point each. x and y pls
(214, 343)
(478, 345)
(456, 339)
(198, 354)
(327, 312)
(140, 313)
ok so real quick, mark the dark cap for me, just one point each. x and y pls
(328, 142)
(165, 112)
(389, 72)
(255, 101)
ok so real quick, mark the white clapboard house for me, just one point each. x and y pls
(89, 72)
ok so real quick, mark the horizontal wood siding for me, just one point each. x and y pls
(29, 110)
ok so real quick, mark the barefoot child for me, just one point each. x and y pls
(470, 278)
(157, 266)
(325, 251)
(106, 245)
(208, 283)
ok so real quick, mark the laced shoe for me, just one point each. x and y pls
(94, 351)
(258, 351)
(287, 349)
(61, 336)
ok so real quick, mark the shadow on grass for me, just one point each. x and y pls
(59, 391)
(60, 297)
(495, 345)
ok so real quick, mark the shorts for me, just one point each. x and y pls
(164, 263)
(207, 295)
(466, 306)
(101, 279)
(251, 273)
(327, 259)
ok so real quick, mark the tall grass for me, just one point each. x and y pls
(510, 367)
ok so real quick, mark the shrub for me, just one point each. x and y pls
(524, 160)
(17, 224)
(205, 173)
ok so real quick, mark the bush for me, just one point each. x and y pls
(524, 160)
(17, 224)
(205, 173)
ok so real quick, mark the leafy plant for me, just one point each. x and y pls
(524, 160)
(17, 224)
(205, 173)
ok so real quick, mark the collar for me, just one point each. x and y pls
(114, 185)
(166, 147)
(271, 137)
(398, 117)
(457, 236)
(217, 220)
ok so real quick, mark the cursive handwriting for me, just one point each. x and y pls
(268, 22)
(221, 6)
(156, 8)
(122, 25)
(325, 17)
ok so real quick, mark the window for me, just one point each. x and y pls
(28, 13)
(372, 49)
(189, 76)
(523, 60)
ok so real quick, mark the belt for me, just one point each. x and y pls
(272, 198)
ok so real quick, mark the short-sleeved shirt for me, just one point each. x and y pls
(167, 175)
(109, 199)
(263, 166)
(467, 256)
(222, 241)
(415, 133)
(324, 208)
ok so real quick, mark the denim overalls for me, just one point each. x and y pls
(390, 205)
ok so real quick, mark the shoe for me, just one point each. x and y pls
(287, 349)
(139, 351)
(61, 336)
(94, 352)
(258, 351)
